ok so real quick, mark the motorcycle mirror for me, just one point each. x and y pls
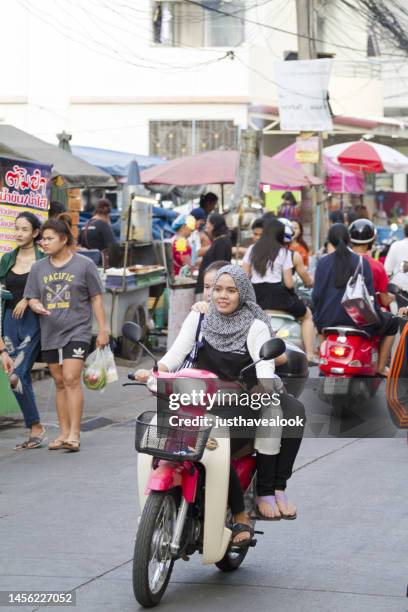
(132, 331)
(272, 349)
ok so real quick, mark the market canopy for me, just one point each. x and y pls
(368, 156)
(219, 167)
(339, 179)
(114, 162)
(75, 171)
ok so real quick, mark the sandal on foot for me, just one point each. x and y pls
(269, 499)
(37, 441)
(283, 498)
(241, 528)
(21, 446)
(72, 445)
(56, 444)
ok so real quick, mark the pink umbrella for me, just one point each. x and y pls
(368, 156)
(338, 178)
(219, 167)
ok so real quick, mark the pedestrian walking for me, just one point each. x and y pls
(21, 327)
(64, 288)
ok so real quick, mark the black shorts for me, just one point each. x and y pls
(73, 350)
(274, 296)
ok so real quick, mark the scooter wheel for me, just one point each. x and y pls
(152, 560)
(232, 559)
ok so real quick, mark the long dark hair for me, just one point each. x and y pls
(61, 225)
(339, 237)
(33, 221)
(300, 238)
(220, 228)
(268, 246)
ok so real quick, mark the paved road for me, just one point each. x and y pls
(67, 521)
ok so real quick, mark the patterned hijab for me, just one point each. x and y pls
(229, 333)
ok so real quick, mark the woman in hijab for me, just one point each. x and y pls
(221, 247)
(233, 333)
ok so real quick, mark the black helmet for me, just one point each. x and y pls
(362, 231)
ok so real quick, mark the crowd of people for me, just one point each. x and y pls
(56, 292)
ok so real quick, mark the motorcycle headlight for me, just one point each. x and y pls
(283, 332)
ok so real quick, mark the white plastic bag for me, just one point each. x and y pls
(111, 371)
(95, 372)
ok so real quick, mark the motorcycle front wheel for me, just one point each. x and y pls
(152, 559)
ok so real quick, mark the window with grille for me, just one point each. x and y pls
(209, 23)
(171, 139)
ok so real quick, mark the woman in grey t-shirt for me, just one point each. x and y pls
(65, 289)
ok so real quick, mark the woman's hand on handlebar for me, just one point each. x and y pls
(142, 375)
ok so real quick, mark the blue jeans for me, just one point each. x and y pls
(22, 340)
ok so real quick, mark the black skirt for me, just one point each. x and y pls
(275, 296)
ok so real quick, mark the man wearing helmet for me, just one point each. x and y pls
(362, 237)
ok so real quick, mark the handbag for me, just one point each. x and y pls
(191, 359)
(356, 300)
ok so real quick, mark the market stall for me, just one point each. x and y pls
(213, 168)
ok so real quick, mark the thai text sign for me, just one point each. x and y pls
(303, 95)
(24, 186)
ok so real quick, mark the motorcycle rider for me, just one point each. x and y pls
(362, 238)
(332, 274)
(397, 254)
(269, 266)
(233, 333)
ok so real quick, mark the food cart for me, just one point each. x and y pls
(135, 276)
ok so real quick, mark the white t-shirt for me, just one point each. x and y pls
(273, 273)
(396, 255)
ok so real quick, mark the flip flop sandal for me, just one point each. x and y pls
(257, 515)
(241, 528)
(56, 444)
(283, 498)
(21, 446)
(36, 441)
(72, 445)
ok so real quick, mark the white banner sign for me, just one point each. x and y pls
(302, 95)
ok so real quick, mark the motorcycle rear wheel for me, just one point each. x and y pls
(152, 559)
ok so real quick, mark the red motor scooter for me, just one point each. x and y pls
(348, 365)
(183, 479)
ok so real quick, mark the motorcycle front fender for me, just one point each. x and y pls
(217, 471)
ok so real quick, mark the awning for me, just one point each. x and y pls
(114, 162)
(75, 171)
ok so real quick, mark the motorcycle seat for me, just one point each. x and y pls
(346, 331)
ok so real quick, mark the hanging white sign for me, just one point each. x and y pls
(302, 95)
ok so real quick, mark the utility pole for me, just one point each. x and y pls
(307, 51)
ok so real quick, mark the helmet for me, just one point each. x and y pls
(289, 231)
(362, 231)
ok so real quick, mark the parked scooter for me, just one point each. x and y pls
(183, 479)
(348, 365)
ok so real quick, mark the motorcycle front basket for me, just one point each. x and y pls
(155, 436)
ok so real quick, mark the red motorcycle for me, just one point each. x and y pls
(348, 365)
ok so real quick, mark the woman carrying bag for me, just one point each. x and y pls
(333, 273)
